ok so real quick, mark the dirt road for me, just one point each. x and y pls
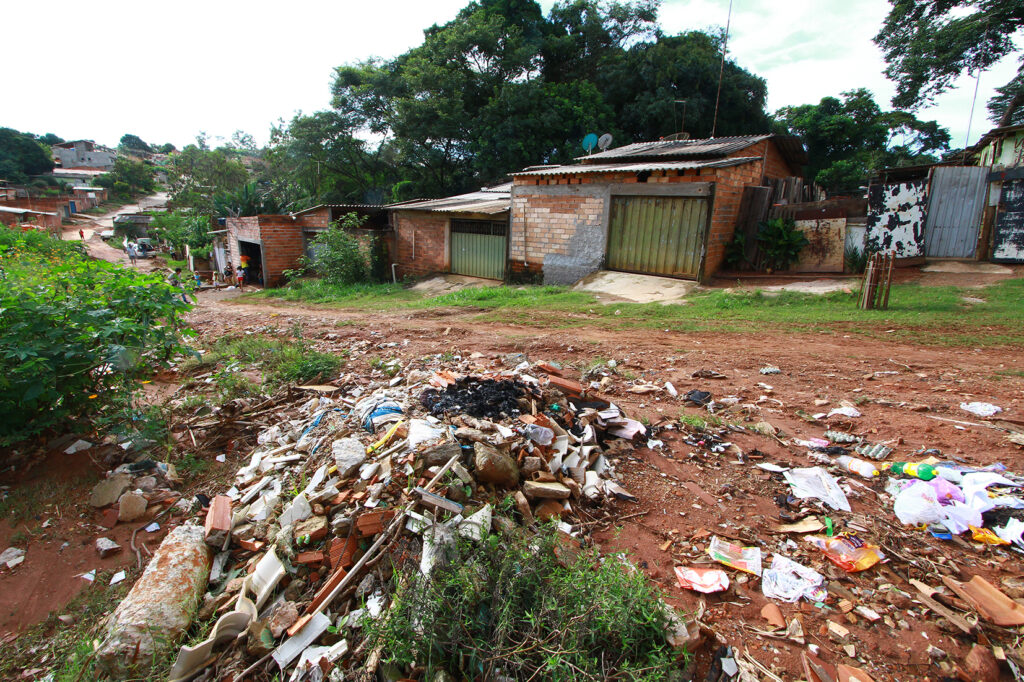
(908, 396)
(112, 252)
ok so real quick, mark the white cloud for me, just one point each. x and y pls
(99, 70)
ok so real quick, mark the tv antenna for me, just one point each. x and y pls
(605, 141)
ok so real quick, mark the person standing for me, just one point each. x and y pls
(81, 234)
(174, 279)
(132, 253)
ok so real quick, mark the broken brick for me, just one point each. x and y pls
(372, 523)
(567, 386)
(218, 521)
(309, 558)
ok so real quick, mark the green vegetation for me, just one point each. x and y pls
(281, 361)
(181, 229)
(340, 257)
(781, 243)
(128, 178)
(76, 335)
(508, 607)
(22, 155)
(926, 315)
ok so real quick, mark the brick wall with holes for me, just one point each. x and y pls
(420, 243)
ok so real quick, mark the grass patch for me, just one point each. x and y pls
(507, 607)
(924, 315)
(30, 499)
(280, 361)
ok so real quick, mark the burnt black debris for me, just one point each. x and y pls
(480, 398)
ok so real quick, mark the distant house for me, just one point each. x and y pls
(275, 243)
(84, 154)
(465, 234)
(13, 216)
(87, 196)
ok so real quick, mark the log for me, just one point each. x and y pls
(160, 606)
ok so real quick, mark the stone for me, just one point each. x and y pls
(548, 509)
(531, 464)
(523, 505)
(105, 547)
(312, 529)
(130, 507)
(981, 664)
(108, 491)
(146, 483)
(349, 455)
(493, 466)
(282, 617)
(549, 490)
(440, 454)
(159, 608)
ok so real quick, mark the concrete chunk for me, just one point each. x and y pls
(349, 454)
(108, 491)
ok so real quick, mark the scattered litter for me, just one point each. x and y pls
(118, 577)
(816, 483)
(848, 552)
(741, 558)
(77, 446)
(844, 411)
(152, 528)
(981, 409)
(788, 581)
(12, 556)
(770, 369)
(706, 580)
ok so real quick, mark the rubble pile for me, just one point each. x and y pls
(361, 468)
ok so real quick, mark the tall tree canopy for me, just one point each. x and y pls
(929, 43)
(21, 155)
(504, 86)
(849, 138)
(197, 174)
(134, 143)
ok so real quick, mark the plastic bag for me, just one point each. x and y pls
(815, 482)
(787, 581)
(706, 580)
(421, 431)
(918, 504)
(848, 552)
(981, 409)
(741, 558)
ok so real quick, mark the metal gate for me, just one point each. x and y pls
(954, 211)
(1008, 240)
(657, 235)
(479, 248)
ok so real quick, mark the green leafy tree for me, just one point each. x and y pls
(128, 177)
(197, 174)
(134, 143)
(50, 139)
(340, 258)
(249, 200)
(1005, 106)
(21, 156)
(165, 148)
(849, 138)
(181, 229)
(930, 43)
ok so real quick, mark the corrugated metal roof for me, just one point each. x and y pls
(12, 209)
(718, 146)
(489, 200)
(353, 206)
(582, 168)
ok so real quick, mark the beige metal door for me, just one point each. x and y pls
(657, 235)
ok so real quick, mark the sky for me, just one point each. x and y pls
(114, 67)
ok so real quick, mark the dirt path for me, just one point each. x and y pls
(906, 393)
(111, 252)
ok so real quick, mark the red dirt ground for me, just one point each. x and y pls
(735, 500)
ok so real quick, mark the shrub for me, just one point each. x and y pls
(340, 258)
(506, 607)
(781, 243)
(75, 333)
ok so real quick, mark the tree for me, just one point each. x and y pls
(134, 143)
(850, 138)
(165, 148)
(249, 200)
(180, 229)
(22, 156)
(128, 177)
(929, 43)
(1005, 108)
(195, 175)
(503, 86)
(50, 139)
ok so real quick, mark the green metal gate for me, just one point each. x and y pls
(479, 248)
(657, 235)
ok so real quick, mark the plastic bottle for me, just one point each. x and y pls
(925, 472)
(857, 466)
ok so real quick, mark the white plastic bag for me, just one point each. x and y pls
(787, 581)
(918, 504)
(815, 482)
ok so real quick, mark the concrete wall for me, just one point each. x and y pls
(80, 156)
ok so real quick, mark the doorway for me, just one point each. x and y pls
(251, 253)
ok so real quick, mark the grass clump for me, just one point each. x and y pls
(507, 608)
(281, 362)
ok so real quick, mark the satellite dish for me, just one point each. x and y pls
(605, 141)
(589, 142)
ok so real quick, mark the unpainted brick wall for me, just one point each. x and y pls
(420, 243)
(549, 222)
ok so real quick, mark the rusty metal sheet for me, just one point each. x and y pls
(955, 206)
(1008, 240)
(825, 252)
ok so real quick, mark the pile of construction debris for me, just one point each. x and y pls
(281, 554)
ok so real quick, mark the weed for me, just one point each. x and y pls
(1010, 372)
(693, 421)
(192, 465)
(506, 607)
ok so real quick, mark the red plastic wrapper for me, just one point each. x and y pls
(704, 580)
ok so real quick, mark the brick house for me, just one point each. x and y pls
(49, 212)
(465, 234)
(665, 208)
(275, 243)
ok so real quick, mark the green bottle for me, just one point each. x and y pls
(925, 472)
